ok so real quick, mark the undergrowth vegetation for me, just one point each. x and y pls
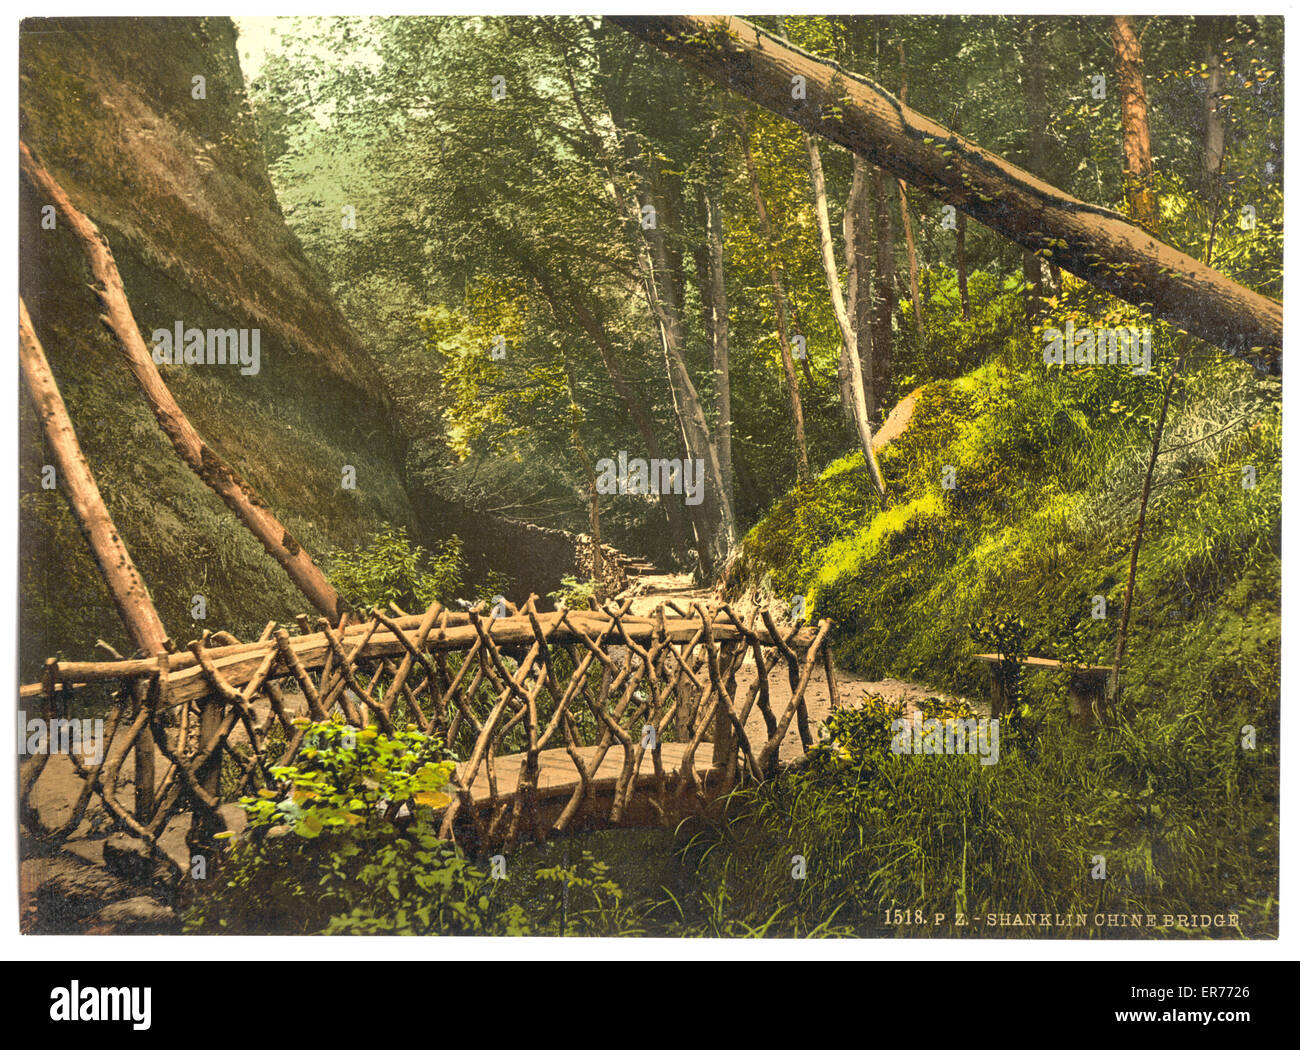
(1013, 495)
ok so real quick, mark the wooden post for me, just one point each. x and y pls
(997, 693)
(832, 687)
(1087, 692)
(145, 755)
(211, 716)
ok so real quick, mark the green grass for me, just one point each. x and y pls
(1048, 469)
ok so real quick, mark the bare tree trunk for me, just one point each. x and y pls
(1139, 168)
(1212, 159)
(912, 276)
(671, 503)
(882, 287)
(125, 586)
(234, 491)
(719, 333)
(1096, 244)
(851, 381)
(1214, 141)
(708, 542)
(715, 523)
(1035, 95)
(962, 287)
(779, 305)
(589, 472)
(857, 275)
(1121, 641)
(122, 579)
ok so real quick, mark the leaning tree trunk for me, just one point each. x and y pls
(234, 491)
(1139, 167)
(125, 585)
(857, 277)
(1094, 243)
(714, 522)
(851, 383)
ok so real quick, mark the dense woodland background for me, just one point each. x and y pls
(516, 220)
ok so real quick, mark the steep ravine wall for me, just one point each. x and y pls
(179, 186)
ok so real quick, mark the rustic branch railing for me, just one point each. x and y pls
(532, 702)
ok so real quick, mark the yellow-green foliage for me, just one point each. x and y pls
(1048, 472)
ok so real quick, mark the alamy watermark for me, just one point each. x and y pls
(949, 736)
(1098, 346)
(212, 346)
(62, 736)
(639, 477)
(93, 1003)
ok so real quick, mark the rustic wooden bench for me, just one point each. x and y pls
(1087, 689)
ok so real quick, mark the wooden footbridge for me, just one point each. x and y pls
(560, 720)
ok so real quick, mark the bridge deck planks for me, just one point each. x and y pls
(557, 775)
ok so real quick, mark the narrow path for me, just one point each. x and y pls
(651, 589)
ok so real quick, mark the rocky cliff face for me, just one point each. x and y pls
(146, 125)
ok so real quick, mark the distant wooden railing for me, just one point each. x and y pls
(1086, 689)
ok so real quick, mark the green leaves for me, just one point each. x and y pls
(390, 568)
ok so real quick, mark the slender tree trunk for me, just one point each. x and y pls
(779, 305)
(882, 286)
(674, 507)
(234, 491)
(1139, 168)
(1214, 141)
(962, 287)
(1112, 691)
(905, 210)
(589, 472)
(125, 586)
(1034, 84)
(720, 334)
(561, 307)
(857, 278)
(714, 521)
(852, 384)
(800, 329)
(1096, 244)
(913, 270)
(1121, 641)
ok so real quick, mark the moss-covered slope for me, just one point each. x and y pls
(1015, 496)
